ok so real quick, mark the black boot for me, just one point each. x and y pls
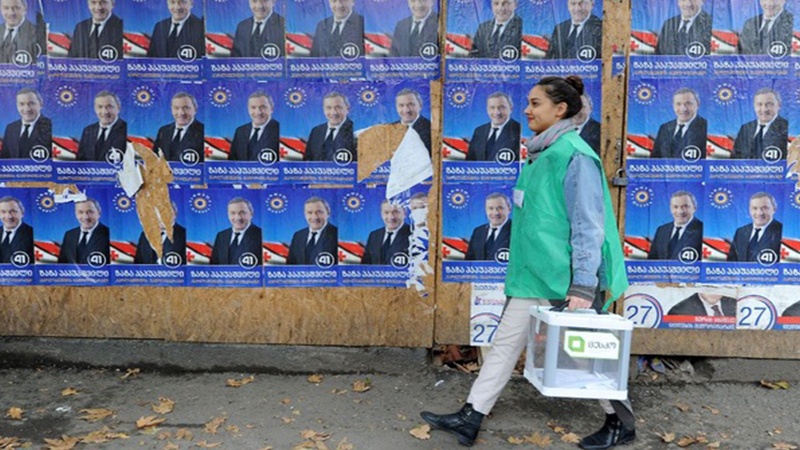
(613, 433)
(464, 424)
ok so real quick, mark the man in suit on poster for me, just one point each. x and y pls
(337, 133)
(145, 254)
(408, 103)
(761, 32)
(582, 29)
(17, 235)
(690, 26)
(390, 239)
(487, 239)
(792, 311)
(17, 33)
(263, 132)
(688, 129)
(181, 29)
(242, 238)
(415, 31)
(588, 128)
(101, 30)
(685, 230)
(183, 135)
(319, 237)
(344, 27)
(264, 27)
(705, 304)
(31, 131)
(504, 30)
(764, 233)
(500, 133)
(109, 132)
(768, 130)
(89, 237)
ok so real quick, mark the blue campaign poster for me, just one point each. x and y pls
(25, 57)
(16, 242)
(72, 239)
(547, 25)
(658, 28)
(134, 261)
(790, 240)
(155, 112)
(301, 243)
(223, 237)
(25, 159)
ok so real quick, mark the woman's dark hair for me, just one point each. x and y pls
(567, 90)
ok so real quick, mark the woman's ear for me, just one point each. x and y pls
(561, 110)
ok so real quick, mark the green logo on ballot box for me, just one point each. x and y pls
(591, 345)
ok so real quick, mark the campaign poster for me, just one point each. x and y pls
(165, 118)
(407, 102)
(476, 47)
(134, 260)
(325, 39)
(85, 42)
(691, 308)
(768, 308)
(743, 232)
(664, 231)
(322, 121)
(668, 128)
(376, 237)
(487, 302)
(562, 29)
(164, 40)
(27, 134)
(753, 37)
(89, 131)
(16, 243)
(790, 240)
(401, 38)
(671, 39)
(243, 131)
(72, 245)
(748, 137)
(476, 232)
(481, 134)
(245, 39)
(22, 26)
(301, 237)
(223, 237)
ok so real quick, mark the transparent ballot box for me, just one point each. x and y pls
(579, 354)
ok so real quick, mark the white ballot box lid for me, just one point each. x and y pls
(581, 318)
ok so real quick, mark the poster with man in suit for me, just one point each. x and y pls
(768, 33)
(685, 231)
(391, 239)
(94, 37)
(182, 140)
(409, 106)
(762, 235)
(766, 137)
(578, 37)
(89, 241)
(333, 139)
(418, 34)
(30, 132)
(22, 33)
(182, 33)
(106, 139)
(586, 126)
(495, 235)
(264, 29)
(705, 304)
(173, 250)
(317, 241)
(261, 135)
(681, 33)
(499, 135)
(683, 137)
(16, 242)
(242, 238)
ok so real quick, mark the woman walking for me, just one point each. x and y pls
(564, 248)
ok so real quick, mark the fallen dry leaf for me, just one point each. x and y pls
(213, 426)
(206, 444)
(10, 443)
(314, 436)
(713, 445)
(149, 422)
(269, 447)
(184, 434)
(775, 384)
(230, 382)
(287, 420)
(538, 440)
(95, 414)
(513, 440)
(362, 386)
(104, 435)
(232, 429)
(69, 391)
(344, 445)
(683, 406)
(338, 391)
(130, 373)
(666, 437)
(319, 445)
(170, 446)
(686, 441)
(315, 378)
(556, 427)
(421, 432)
(14, 413)
(164, 435)
(571, 438)
(306, 444)
(286, 401)
(712, 410)
(777, 430)
(784, 446)
(165, 406)
(65, 443)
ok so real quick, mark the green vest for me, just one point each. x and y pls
(540, 260)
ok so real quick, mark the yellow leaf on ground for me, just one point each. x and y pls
(97, 437)
(232, 429)
(315, 378)
(362, 386)
(286, 401)
(287, 420)
(712, 410)
(239, 383)
(683, 406)
(421, 432)
(666, 437)
(538, 440)
(513, 440)
(14, 413)
(775, 384)
(165, 406)
(319, 445)
(10, 443)
(303, 445)
(69, 391)
(686, 441)
(338, 391)
(149, 422)
(206, 444)
(713, 445)
(95, 414)
(213, 426)
(571, 438)
(170, 446)
(65, 443)
(164, 435)
(184, 434)
(783, 446)
(344, 445)
(314, 436)
(130, 373)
